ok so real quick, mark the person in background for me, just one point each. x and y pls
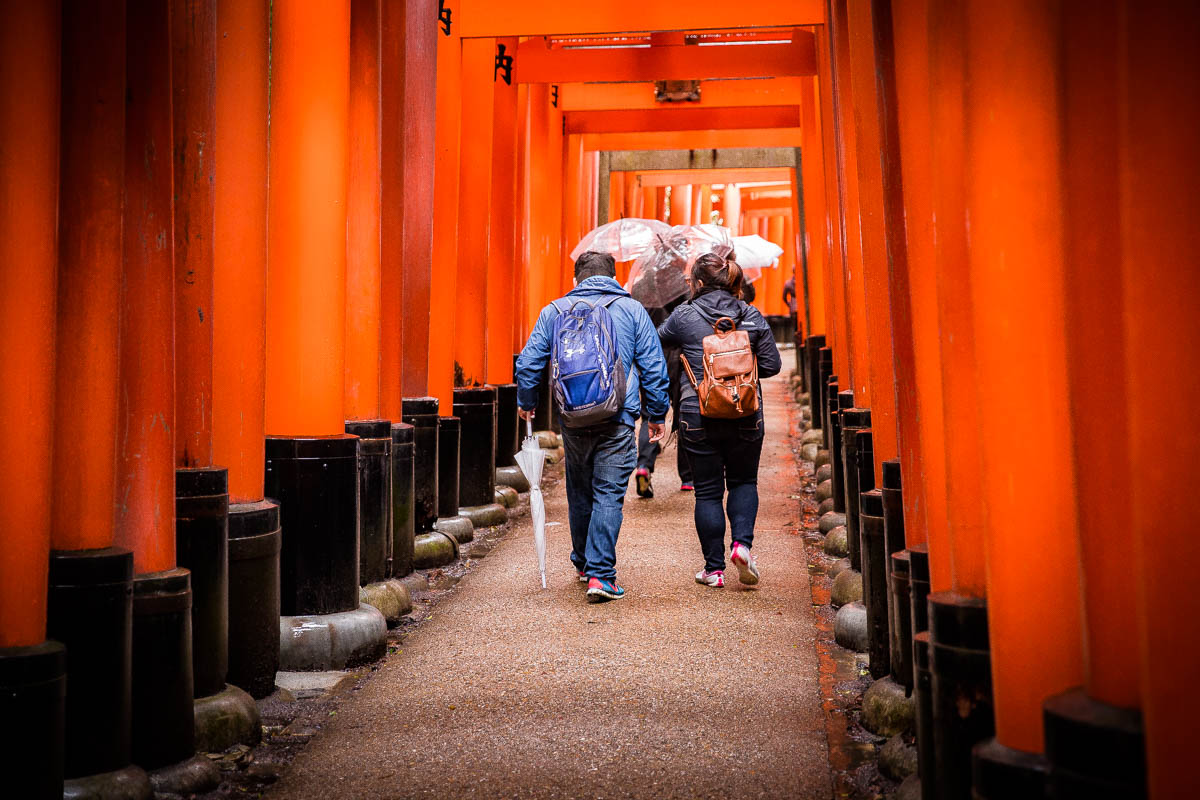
(723, 453)
(648, 451)
(600, 457)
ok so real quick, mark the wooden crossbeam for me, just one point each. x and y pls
(610, 17)
(535, 62)
(713, 93)
(681, 119)
(681, 177)
(698, 139)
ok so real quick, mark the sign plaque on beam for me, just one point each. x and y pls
(677, 91)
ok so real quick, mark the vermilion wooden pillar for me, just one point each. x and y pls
(443, 285)
(145, 508)
(474, 207)
(649, 203)
(925, 471)
(193, 44)
(772, 285)
(240, 245)
(536, 112)
(363, 280)
(848, 191)
(681, 205)
(731, 207)
(521, 252)
(574, 187)
(503, 278)
(546, 178)
(29, 167)
(884, 262)
(1159, 124)
(838, 333)
(811, 188)
(1014, 200)
(409, 185)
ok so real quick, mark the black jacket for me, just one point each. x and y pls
(692, 321)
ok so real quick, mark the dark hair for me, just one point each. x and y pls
(592, 263)
(712, 272)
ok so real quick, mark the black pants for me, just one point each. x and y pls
(649, 451)
(723, 454)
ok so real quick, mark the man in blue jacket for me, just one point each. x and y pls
(600, 458)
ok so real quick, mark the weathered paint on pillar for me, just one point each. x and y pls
(443, 283)
(310, 85)
(89, 274)
(1018, 284)
(145, 501)
(240, 246)
(960, 400)
(474, 208)
(924, 481)
(502, 276)
(29, 158)
(364, 299)
(409, 185)
(1159, 124)
(194, 85)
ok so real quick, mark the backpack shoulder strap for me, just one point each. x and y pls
(608, 300)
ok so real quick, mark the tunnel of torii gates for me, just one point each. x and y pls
(212, 295)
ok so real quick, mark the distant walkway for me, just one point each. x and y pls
(510, 691)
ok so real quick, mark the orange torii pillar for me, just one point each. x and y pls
(311, 463)
(1102, 715)
(648, 203)
(239, 340)
(954, 650)
(475, 405)
(573, 202)
(503, 279)
(34, 667)
(837, 334)
(1160, 124)
(410, 41)
(681, 205)
(364, 313)
(810, 188)
(521, 221)
(201, 489)
(731, 208)
(163, 724)
(90, 590)
(919, 381)
(470, 303)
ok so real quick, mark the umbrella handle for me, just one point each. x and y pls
(529, 427)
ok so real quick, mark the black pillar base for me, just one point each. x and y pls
(315, 481)
(163, 711)
(893, 507)
(833, 435)
(33, 691)
(508, 425)
(961, 678)
(475, 408)
(1002, 773)
(812, 350)
(254, 543)
(900, 616)
(545, 416)
(853, 421)
(824, 372)
(374, 497)
(422, 414)
(918, 586)
(90, 611)
(449, 443)
(875, 583)
(202, 542)
(403, 502)
(923, 697)
(1096, 751)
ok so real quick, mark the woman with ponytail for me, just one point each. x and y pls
(723, 453)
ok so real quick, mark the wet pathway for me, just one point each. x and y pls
(677, 690)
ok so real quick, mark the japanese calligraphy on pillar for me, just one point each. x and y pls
(504, 65)
(444, 15)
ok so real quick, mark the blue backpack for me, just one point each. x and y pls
(589, 378)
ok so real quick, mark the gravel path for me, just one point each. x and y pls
(677, 690)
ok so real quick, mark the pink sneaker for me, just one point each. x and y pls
(747, 569)
(713, 579)
(582, 577)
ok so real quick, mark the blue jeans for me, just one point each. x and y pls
(600, 460)
(723, 453)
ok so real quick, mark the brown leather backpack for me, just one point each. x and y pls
(729, 389)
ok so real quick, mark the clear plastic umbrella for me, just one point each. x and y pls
(623, 239)
(531, 458)
(753, 251)
(659, 275)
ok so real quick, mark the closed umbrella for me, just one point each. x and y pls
(531, 458)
